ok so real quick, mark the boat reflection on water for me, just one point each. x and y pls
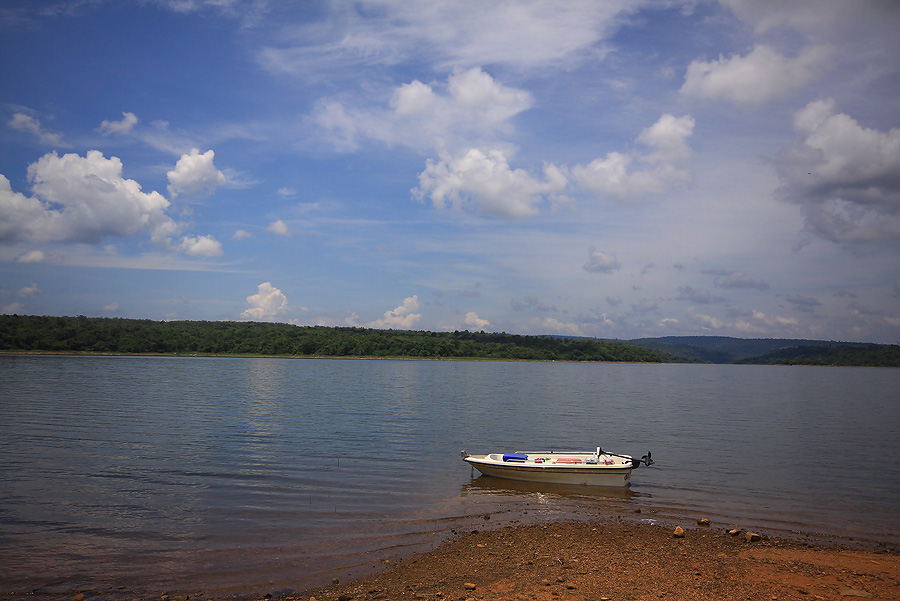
(560, 500)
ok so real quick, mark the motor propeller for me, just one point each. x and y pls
(647, 459)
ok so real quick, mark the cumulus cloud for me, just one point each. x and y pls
(600, 262)
(615, 174)
(471, 104)
(486, 182)
(195, 174)
(279, 228)
(27, 123)
(704, 322)
(844, 176)
(757, 322)
(473, 321)
(403, 317)
(86, 199)
(80, 199)
(551, 325)
(751, 81)
(200, 246)
(129, 120)
(267, 304)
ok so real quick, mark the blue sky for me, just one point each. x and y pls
(616, 169)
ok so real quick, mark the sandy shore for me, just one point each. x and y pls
(598, 561)
(617, 561)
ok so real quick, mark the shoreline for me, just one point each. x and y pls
(595, 559)
(612, 560)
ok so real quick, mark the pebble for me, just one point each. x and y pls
(469, 586)
(751, 537)
(854, 592)
(735, 531)
(703, 521)
(679, 532)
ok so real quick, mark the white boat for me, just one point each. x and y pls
(595, 469)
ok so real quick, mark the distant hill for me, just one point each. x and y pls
(871, 355)
(769, 351)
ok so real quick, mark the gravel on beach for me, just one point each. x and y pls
(608, 560)
(617, 561)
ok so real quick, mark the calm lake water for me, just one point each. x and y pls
(142, 474)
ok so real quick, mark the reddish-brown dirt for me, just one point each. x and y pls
(597, 561)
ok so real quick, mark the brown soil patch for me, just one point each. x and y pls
(598, 561)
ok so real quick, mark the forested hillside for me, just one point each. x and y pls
(856, 355)
(113, 335)
(770, 351)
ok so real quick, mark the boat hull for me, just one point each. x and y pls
(567, 469)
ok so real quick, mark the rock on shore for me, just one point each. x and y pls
(619, 561)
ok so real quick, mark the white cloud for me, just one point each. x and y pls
(86, 199)
(471, 105)
(279, 228)
(600, 262)
(455, 33)
(200, 246)
(13, 308)
(28, 124)
(80, 199)
(845, 177)
(32, 256)
(704, 322)
(551, 325)
(28, 291)
(195, 174)
(614, 175)
(267, 304)
(111, 307)
(751, 81)
(488, 184)
(241, 235)
(129, 120)
(403, 317)
(476, 322)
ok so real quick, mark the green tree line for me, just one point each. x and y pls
(114, 335)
